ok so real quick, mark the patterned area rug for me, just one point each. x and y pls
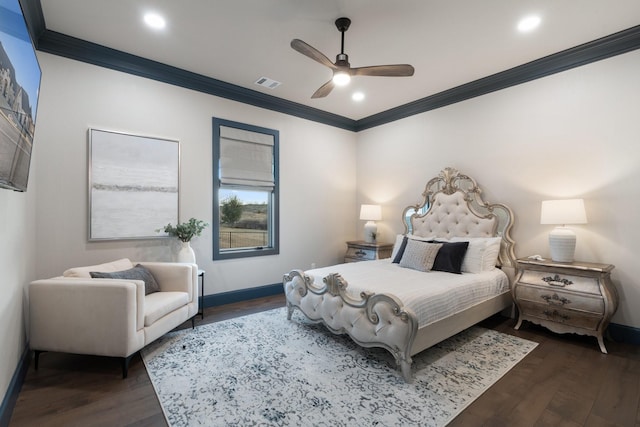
(264, 370)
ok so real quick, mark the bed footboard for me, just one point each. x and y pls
(373, 320)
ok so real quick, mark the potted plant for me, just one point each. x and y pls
(185, 232)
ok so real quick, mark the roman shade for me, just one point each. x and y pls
(246, 159)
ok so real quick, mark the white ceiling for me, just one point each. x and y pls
(449, 42)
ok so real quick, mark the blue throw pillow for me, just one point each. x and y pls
(401, 249)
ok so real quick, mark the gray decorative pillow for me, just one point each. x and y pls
(419, 255)
(138, 272)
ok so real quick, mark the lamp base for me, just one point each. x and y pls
(370, 232)
(562, 244)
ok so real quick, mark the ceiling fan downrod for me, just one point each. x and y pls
(342, 24)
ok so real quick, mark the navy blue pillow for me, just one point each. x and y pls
(400, 252)
(450, 257)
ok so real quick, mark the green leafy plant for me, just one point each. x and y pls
(185, 231)
(231, 210)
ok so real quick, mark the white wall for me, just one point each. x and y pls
(317, 174)
(573, 134)
(17, 267)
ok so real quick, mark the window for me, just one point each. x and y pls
(245, 190)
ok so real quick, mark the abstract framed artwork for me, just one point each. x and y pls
(133, 185)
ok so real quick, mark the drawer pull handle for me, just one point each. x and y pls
(555, 299)
(557, 281)
(360, 253)
(555, 314)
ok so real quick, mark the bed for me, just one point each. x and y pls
(430, 288)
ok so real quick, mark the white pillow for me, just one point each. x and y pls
(482, 254)
(492, 251)
(109, 267)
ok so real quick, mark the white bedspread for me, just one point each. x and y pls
(432, 295)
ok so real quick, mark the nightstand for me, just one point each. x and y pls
(576, 297)
(365, 251)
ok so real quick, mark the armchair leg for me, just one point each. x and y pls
(37, 357)
(125, 365)
(193, 322)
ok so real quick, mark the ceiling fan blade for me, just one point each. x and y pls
(312, 53)
(324, 90)
(398, 70)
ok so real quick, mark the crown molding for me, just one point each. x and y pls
(32, 11)
(82, 50)
(596, 50)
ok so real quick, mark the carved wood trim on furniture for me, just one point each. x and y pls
(422, 216)
(452, 206)
(575, 297)
(373, 315)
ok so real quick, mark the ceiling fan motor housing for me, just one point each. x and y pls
(342, 60)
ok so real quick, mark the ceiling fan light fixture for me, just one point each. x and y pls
(341, 78)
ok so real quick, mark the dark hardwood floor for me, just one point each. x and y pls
(565, 381)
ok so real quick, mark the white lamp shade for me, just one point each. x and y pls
(562, 241)
(371, 212)
(563, 212)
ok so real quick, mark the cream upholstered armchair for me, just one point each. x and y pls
(111, 309)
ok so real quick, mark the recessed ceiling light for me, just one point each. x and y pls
(155, 21)
(528, 23)
(357, 96)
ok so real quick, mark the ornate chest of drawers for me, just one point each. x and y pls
(364, 251)
(575, 297)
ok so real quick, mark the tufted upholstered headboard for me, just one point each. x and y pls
(452, 206)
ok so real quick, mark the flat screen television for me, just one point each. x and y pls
(19, 85)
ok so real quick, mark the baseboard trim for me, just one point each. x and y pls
(623, 333)
(230, 297)
(11, 397)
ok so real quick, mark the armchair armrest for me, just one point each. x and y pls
(87, 316)
(175, 277)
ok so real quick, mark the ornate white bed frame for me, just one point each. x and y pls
(452, 206)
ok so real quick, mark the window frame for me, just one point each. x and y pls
(273, 216)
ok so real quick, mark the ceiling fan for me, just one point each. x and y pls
(342, 70)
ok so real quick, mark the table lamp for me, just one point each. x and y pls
(370, 213)
(562, 240)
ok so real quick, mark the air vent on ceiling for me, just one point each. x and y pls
(267, 82)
